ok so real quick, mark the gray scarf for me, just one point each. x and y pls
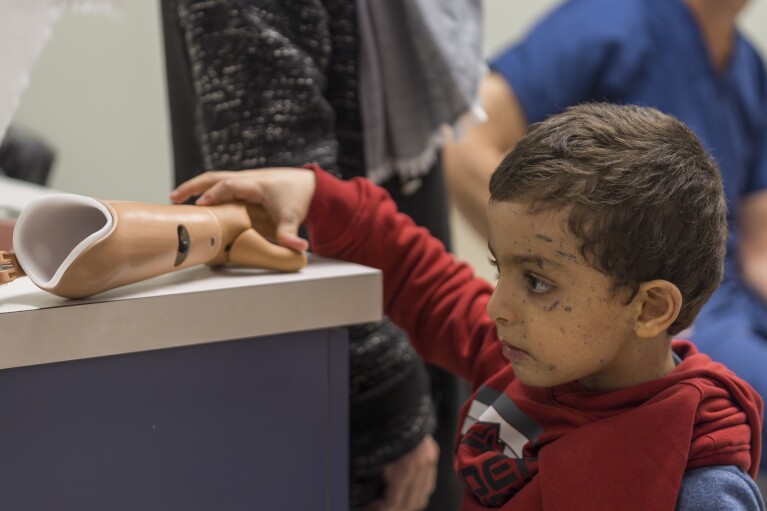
(420, 67)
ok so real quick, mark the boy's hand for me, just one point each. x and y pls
(285, 193)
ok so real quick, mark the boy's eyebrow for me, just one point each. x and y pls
(539, 261)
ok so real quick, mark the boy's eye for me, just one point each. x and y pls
(537, 285)
(494, 263)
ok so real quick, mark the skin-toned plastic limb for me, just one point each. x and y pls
(76, 246)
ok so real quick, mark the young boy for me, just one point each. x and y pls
(608, 229)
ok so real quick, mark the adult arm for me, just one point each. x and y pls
(752, 214)
(753, 242)
(590, 50)
(470, 160)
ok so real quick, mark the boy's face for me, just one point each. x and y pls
(558, 318)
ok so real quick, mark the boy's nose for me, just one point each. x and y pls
(499, 309)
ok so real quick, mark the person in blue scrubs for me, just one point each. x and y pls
(684, 57)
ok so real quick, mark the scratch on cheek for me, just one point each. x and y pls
(549, 308)
(568, 308)
(543, 237)
(567, 255)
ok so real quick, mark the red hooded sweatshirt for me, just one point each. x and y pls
(528, 448)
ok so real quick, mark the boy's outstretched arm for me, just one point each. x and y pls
(426, 292)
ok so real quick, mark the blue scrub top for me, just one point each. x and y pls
(651, 53)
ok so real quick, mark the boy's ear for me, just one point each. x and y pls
(658, 304)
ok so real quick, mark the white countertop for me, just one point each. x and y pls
(192, 306)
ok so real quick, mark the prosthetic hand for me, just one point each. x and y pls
(75, 246)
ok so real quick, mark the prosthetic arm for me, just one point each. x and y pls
(75, 246)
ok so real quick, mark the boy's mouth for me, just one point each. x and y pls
(513, 354)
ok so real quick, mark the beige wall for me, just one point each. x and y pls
(97, 94)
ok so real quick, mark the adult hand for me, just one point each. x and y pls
(285, 194)
(410, 480)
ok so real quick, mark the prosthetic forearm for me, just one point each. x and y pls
(75, 246)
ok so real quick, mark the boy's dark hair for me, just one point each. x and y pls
(645, 199)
